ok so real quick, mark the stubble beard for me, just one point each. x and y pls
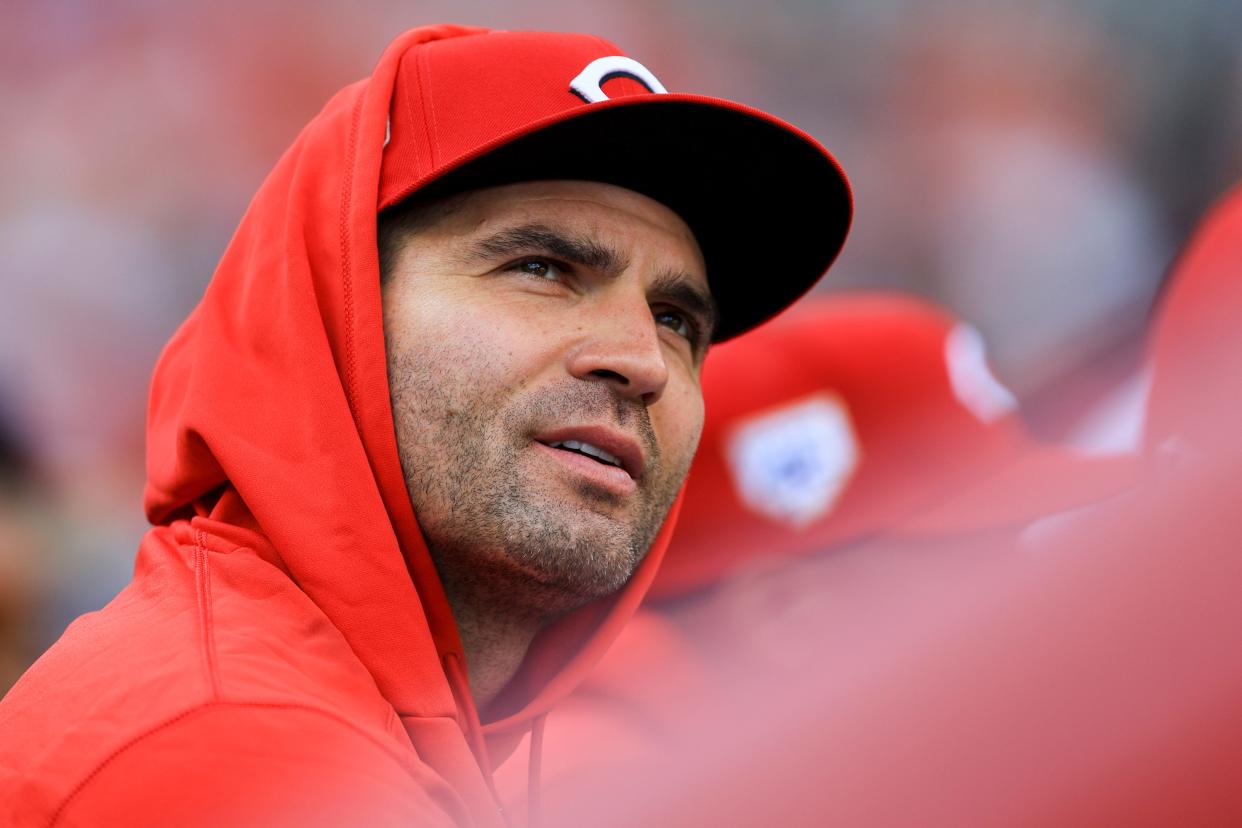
(525, 543)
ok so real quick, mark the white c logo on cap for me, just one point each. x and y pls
(590, 80)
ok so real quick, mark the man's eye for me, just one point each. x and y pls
(539, 268)
(678, 321)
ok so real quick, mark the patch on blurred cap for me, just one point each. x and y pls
(974, 384)
(792, 463)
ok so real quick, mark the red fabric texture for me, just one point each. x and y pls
(284, 654)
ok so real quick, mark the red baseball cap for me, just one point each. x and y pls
(769, 206)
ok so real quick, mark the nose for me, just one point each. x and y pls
(620, 346)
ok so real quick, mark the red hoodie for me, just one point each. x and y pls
(285, 654)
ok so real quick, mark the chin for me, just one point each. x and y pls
(582, 566)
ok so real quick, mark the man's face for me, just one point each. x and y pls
(529, 327)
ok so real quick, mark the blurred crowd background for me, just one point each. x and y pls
(1032, 165)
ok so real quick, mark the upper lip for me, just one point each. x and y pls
(617, 443)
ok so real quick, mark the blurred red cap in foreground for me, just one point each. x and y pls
(830, 423)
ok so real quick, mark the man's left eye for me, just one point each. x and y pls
(679, 322)
(539, 268)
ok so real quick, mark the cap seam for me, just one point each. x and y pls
(608, 47)
(429, 115)
(409, 111)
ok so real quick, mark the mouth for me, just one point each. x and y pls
(609, 449)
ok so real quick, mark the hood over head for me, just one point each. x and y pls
(270, 413)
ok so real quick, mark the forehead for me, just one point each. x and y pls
(642, 224)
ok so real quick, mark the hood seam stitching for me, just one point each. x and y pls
(202, 578)
(347, 276)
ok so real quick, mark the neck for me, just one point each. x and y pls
(495, 645)
(498, 612)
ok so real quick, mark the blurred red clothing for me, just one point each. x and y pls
(1087, 676)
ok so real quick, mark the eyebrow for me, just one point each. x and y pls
(580, 250)
(675, 286)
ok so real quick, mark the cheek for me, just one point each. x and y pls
(425, 322)
(678, 421)
(434, 364)
(478, 352)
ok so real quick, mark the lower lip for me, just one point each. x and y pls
(609, 478)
